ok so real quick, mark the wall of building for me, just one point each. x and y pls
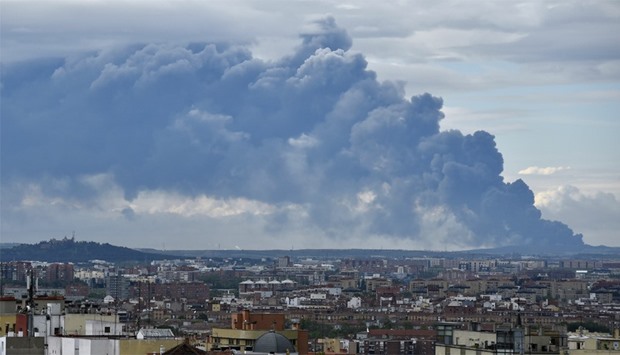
(258, 321)
(471, 338)
(442, 349)
(82, 346)
(7, 321)
(135, 346)
(8, 305)
(97, 327)
(246, 338)
(22, 346)
(75, 323)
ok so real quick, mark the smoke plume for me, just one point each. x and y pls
(314, 130)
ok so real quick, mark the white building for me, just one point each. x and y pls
(354, 303)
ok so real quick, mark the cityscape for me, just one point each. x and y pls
(377, 302)
(429, 177)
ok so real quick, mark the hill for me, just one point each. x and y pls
(68, 250)
(587, 252)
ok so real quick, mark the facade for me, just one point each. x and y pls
(504, 339)
(108, 346)
(398, 341)
(284, 261)
(247, 327)
(191, 291)
(14, 270)
(117, 286)
(582, 342)
(58, 272)
(8, 319)
(245, 340)
(246, 320)
(22, 345)
(51, 321)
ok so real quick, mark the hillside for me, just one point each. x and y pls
(586, 251)
(69, 250)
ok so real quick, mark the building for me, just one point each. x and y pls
(58, 272)
(22, 345)
(117, 286)
(190, 291)
(153, 333)
(247, 320)
(273, 343)
(284, 261)
(583, 342)
(504, 339)
(398, 341)
(14, 270)
(8, 319)
(247, 327)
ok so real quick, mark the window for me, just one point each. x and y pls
(106, 329)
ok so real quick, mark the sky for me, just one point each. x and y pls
(437, 125)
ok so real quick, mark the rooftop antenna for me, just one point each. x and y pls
(30, 305)
(139, 304)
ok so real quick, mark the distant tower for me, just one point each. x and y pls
(31, 285)
(284, 261)
(117, 286)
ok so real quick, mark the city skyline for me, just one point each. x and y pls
(307, 125)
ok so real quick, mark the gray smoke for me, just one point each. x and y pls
(315, 128)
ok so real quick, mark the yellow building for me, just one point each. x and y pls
(147, 346)
(7, 323)
(75, 323)
(337, 346)
(105, 345)
(585, 343)
(245, 339)
(215, 307)
(8, 318)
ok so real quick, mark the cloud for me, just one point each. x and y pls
(534, 170)
(310, 144)
(596, 212)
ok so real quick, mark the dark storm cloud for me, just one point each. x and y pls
(315, 128)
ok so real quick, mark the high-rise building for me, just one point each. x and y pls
(59, 272)
(284, 261)
(117, 286)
